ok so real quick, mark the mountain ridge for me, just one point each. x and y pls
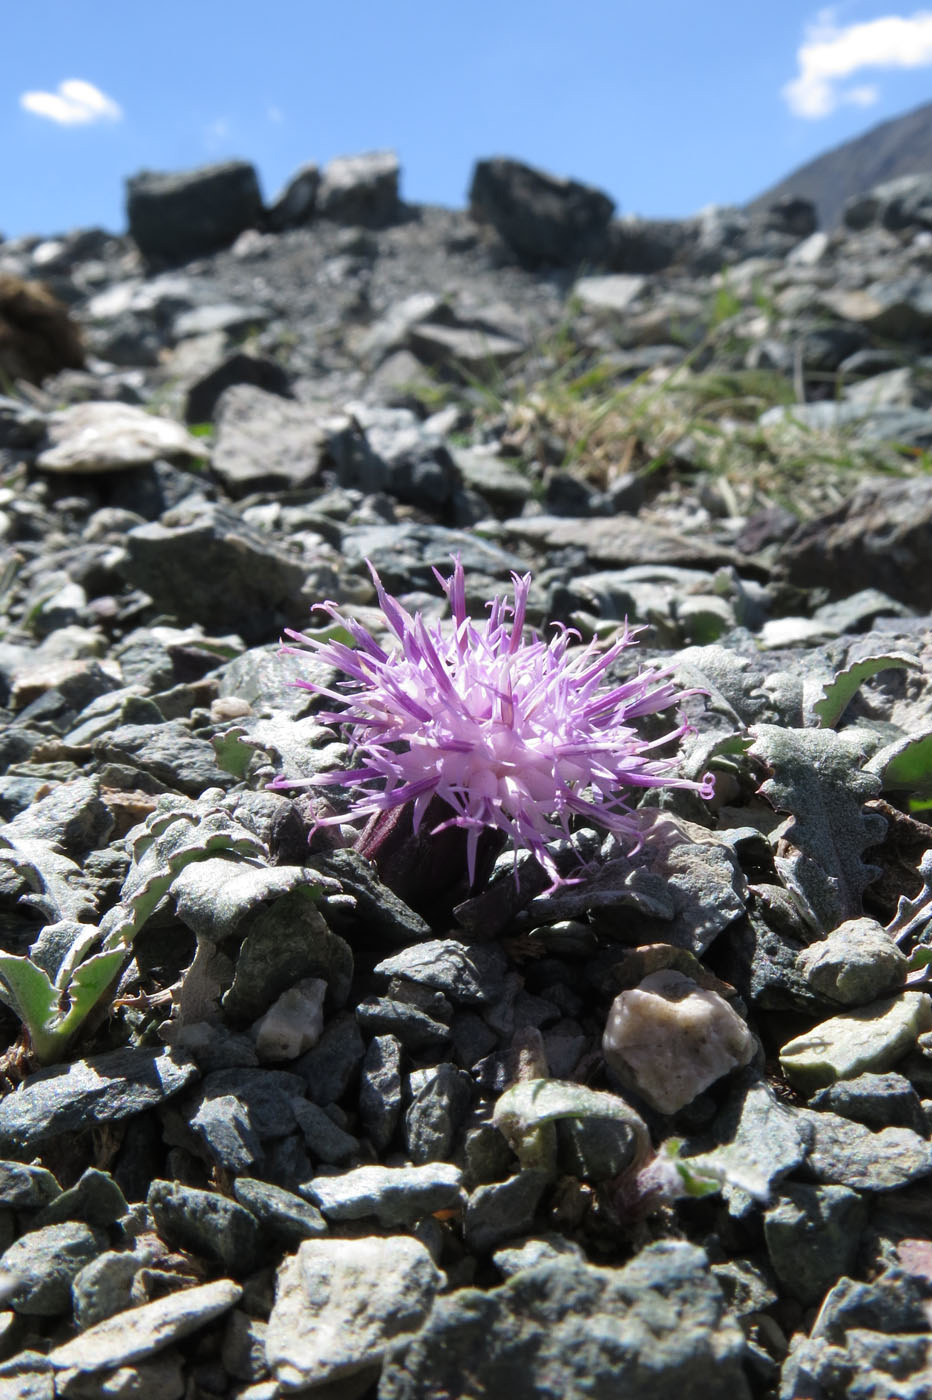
(900, 146)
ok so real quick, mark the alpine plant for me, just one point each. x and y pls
(512, 732)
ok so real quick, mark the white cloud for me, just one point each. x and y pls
(76, 103)
(831, 53)
(864, 96)
(275, 114)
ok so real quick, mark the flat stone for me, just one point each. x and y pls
(112, 437)
(265, 442)
(876, 1100)
(874, 1038)
(282, 1213)
(340, 1305)
(103, 1089)
(470, 974)
(608, 296)
(848, 1154)
(617, 541)
(395, 1196)
(42, 1263)
(140, 1332)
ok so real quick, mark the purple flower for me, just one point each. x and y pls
(518, 735)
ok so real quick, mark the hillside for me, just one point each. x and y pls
(902, 146)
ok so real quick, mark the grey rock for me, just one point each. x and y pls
(360, 189)
(103, 1089)
(440, 1099)
(238, 369)
(812, 1235)
(879, 536)
(243, 1348)
(73, 816)
(295, 204)
(179, 216)
(213, 565)
(141, 1332)
(381, 909)
(104, 1286)
(380, 1090)
(229, 319)
(858, 963)
(543, 218)
(330, 1068)
(502, 1210)
(617, 542)
(286, 1216)
(876, 1100)
(464, 350)
(324, 1139)
(654, 1330)
(401, 458)
(848, 1154)
(869, 1339)
(416, 1029)
(43, 1263)
(26, 1188)
(265, 442)
(758, 1132)
(94, 1199)
(287, 942)
(168, 752)
(235, 1111)
(341, 1304)
(207, 1224)
(539, 1249)
(468, 974)
(392, 1195)
(747, 1287)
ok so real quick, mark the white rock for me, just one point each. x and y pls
(668, 1039)
(292, 1024)
(143, 1331)
(111, 437)
(339, 1305)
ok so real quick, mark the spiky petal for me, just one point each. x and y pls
(512, 732)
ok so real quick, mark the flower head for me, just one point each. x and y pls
(518, 735)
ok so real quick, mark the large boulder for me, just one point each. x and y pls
(542, 218)
(361, 190)
(183, 215)
(880, 537)
(897, 205)
(37, 336)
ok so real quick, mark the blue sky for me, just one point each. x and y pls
(667, 105)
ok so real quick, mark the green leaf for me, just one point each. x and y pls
(85, 990)
(905, 765)
(838, 693)
(818, 777)
(29, 992)
(232, 754)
